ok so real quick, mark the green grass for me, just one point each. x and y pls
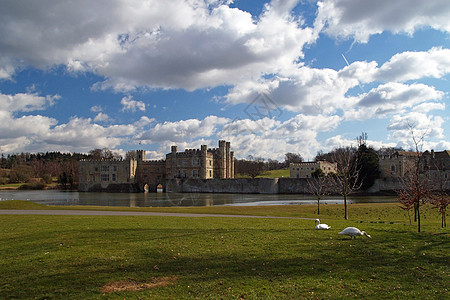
(74, 257)
(268, 174)
(276, 173)
(21, 204)
(362, 212)
(10, 186)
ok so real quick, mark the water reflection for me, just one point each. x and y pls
(174, 199)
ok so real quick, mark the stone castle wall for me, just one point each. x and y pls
(262, 186)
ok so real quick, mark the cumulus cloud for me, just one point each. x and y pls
(102, 117)
(361, 19)
(134, 43)
(269, 138)
(31, 132)
(23, 102)
(184, 130)
(391, 98)
(326, 91)
(415, 65)
(128, 104)
(305, 89)
(415, 125)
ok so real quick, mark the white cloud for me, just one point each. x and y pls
(363, 18)
(184, 130)
(326, 91)
(26, 102)
(268, 138)
(429, 106)
(424, 128)
(134, 43)
(132, 105)
(201, 44)
(96, 108)
(102, 117)
(41, 133)
(415, 65)
(391, 98)
(305, 89)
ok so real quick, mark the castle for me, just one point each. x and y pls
(305, 169)
(431, 163)
(138, 174)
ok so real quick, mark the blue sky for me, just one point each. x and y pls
(269, 76)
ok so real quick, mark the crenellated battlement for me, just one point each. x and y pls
(200, 163)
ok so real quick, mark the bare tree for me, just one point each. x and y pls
(345, 181)
(131, 155)
(319, 186)
(251, 166)
(104, 153)
(416, 188)
(292, 158)
(440, 199)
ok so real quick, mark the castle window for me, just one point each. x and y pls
(113, 177)
(194, 173)
(195, 162)
(115, 168)
(210, 173)
(210, 163)
(105, 168)
(105, 177)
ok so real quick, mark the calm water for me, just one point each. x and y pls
(174, 199)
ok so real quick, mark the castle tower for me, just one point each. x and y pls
(140, 155)
(173, 161)
(203, 162)
(227, 160)
(222, 160)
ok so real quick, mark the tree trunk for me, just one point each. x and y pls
(345, 207)
(418, 216)
(444, 221)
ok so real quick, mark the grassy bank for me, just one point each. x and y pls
(362, 212)
(84, 257)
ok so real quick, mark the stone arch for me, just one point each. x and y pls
(159, 188)
(146, 188)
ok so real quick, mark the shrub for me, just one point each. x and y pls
(32, 186)
(47, 179)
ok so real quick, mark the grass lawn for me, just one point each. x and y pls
(276, 173)
(269, 174)
(10, 186)
(90, 257)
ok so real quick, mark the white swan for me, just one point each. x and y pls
(354, 232)
(321, 226)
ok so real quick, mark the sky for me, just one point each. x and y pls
(271, 77)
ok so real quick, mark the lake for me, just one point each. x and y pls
(54, 197)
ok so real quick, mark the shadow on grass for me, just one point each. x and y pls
(75, 263)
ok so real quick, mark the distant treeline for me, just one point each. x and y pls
(40, 168)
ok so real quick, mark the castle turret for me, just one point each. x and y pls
(222, 159)
(173, 161)
(140, 155)
(203, 161)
